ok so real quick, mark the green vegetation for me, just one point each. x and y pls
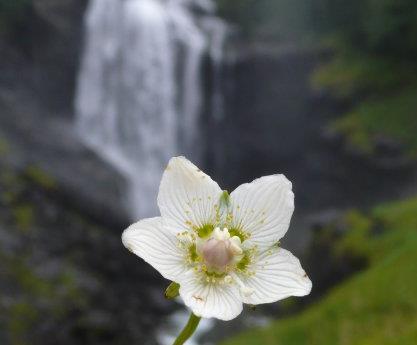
(39, 177)
(23, 216)
(172, 290)
(224, 201)
(378, 305)
(54, 296)
(349, 76)
(387, 92)
(374, 67)
(393, 117)
(374, 63)
(4, 147)
(33, 295)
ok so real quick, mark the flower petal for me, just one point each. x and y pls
(278, 275)
(155, 244)
(263, 208)
(187, 198)
(210, 299)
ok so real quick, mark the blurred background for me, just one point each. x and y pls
(97, 95)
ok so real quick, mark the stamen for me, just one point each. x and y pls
(245, 290)
(228, 279)
(235, 245)
(221, 235)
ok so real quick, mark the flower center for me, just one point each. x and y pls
(221, 250)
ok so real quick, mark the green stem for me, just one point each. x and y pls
(188, 330)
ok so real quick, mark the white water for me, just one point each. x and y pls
(139, 96)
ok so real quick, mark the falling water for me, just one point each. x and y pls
(139, 97)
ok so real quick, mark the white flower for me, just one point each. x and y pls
(223, 250)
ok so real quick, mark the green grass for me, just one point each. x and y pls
(377, 306)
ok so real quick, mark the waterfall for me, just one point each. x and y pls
(139, 95)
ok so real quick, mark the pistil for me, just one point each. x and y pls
(220, 250)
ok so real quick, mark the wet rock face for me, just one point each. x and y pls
(47, 37)
(57, 44)
(68, 278)
(61, 15)
(34, 137)
(270, 125)
(36, 95)
(275, 123)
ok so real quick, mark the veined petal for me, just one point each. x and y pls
(188, 198)
(155, 244)
(263, 208)
(277, 275)
(221, 301)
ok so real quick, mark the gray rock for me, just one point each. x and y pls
(48, 142)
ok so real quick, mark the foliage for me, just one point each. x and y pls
(39, 177)
(24, 216)
(378, 305)
(375, 67)
(55, 295)
(393, 117)
(34, 294)
(349, 75)
(384, 27)
(391, 27)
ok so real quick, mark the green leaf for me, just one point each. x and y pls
(225, 199)
(172, 290)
